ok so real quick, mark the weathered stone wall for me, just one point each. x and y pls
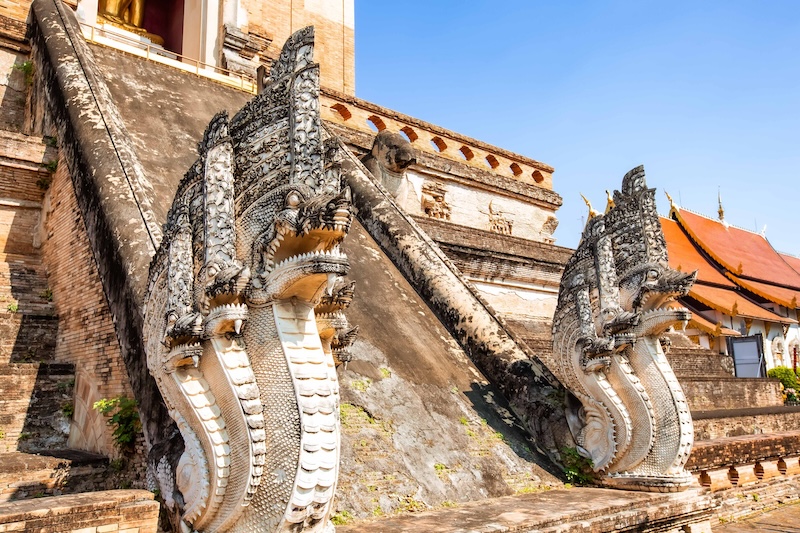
(86, 335)
(31, 407)
(13, 84)
(128, 511)
(731, 393)
(733, 423)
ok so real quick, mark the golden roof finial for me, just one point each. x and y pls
(592, 211)
(671, 201)
(609, 201)
(720, 211)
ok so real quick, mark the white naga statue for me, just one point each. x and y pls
(251, 248)
(625, 408)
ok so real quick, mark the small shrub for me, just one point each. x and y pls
(24, 436)
(123, 416)
(386, 373)
(341, 518)
(464, 421)
(27, 69)
(577, 468)
(361, 385)
(117, 465)
(44, 182)
(68, 410)
(13, 307)
(46, 294)
(51, 166)
(786, 376)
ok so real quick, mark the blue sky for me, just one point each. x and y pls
(706, 95)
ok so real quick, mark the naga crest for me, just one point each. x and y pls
(251, 248)
(625, 409)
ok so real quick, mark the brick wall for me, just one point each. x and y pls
(731, 393)
(125, 511)
(86, 335)
(333, 30)
(718, 424)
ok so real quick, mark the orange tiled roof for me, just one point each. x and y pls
(793, 261)
(684, 256)
(734, 304)
(703, 324)
(780, 295)
(743, 253)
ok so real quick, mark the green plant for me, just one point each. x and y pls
(68, 410)
(577, 468)
(123, 416)
(44, 182)
(2, 434)
(117, 465)
(12, 307)
(755, 497)
(377, 511)
(464, 421)
(448, 503)
(411, 505)
(786, 376)
(27, 69)
(341, 518)
(52, 142)
(24, 436)
(51, 166)
(64, 386)
(386, 373)
(361, 385)
(47, 294)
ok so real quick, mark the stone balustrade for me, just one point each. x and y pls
(369, 118)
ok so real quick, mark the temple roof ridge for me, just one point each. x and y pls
(723, 223)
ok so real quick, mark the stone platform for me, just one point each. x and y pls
(563, 511)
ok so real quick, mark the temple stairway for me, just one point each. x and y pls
(36, 392)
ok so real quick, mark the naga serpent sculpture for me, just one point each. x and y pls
(626, 410)
(251, 248)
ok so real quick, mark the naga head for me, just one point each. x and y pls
(299, 253)
(649, 291)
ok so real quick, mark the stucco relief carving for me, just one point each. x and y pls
(388, 160)
(548, 228)
(625, 409)
(433, 202)
(498, 221)
(241, 357)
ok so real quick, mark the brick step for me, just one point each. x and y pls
(742, 450)
(27, 337)
(64, 471)
(33, 400)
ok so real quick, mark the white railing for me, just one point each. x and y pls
(116, 39)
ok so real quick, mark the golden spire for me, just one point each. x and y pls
(609, 201)
(720, 211)
(671, 201)
(592, 212)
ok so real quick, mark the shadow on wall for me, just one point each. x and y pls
(17, 76)
(494, 410)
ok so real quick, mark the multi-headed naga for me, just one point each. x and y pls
(625, 408)
(251, 247)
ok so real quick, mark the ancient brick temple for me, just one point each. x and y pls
(436, 328)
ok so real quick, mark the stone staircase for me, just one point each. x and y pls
(36, 392)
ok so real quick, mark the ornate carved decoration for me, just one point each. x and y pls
(433, 203)
(625, 409)
(251, 249)
(498, 222)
